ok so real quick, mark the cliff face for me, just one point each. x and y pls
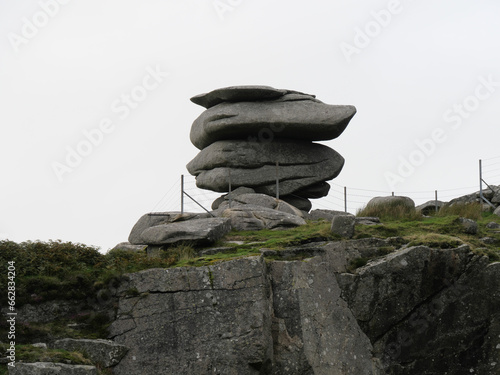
(415, 311)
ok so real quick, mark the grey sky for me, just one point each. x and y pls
(420, 73)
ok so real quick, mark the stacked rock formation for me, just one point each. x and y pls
(251, 135)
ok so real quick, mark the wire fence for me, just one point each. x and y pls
(173, 199)
(185, 196)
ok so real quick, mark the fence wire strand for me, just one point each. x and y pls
(335, 199)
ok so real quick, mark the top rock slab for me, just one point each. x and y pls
(235, 94)
(244, 112)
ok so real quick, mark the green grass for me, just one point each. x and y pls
(29, 354)
(470, 210)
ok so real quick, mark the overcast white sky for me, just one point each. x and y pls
(414, 70)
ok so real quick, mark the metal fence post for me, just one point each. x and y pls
(436, 199)
(481, 178)
(345, 199)
(182, 194)
(229, 182)
(277, 180)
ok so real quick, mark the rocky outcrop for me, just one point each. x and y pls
(490, 194)
(409, 310)
(247, 140)
(390, 277)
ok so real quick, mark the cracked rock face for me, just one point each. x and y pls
(413, 311)
(247, 130)
(196, 320)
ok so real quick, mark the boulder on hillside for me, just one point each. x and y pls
(493, 225)
(198, 231)
(497, 211)
(496, 198)
(321, 214)
(105, 352)
(343, 225)
(469, 226)
(430, 207)
(391, 201)
(158, 218)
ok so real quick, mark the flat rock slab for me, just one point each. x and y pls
(303, 167)
(157, 218)
(237, 94)
(367, 220)
(244, 154)
(251, 217)
(127, 246)
(198, 231)
(262, 200)
(304, 120)
(49, 368)
(322, 214)
(105, 352)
